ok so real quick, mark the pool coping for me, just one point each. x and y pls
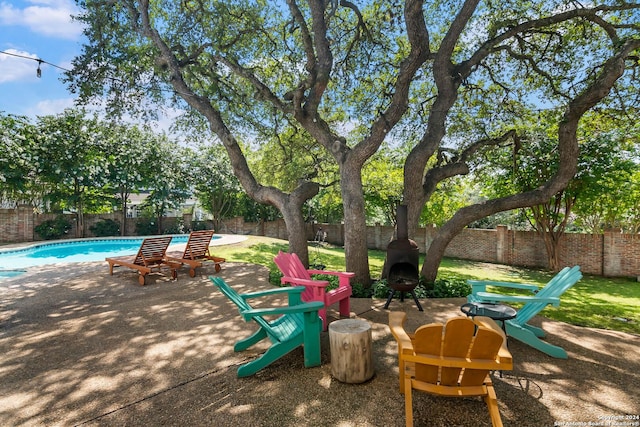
(224, 239)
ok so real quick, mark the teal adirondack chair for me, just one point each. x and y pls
(518, 328)
(298, 324)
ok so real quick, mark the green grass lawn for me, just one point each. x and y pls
(598, 302)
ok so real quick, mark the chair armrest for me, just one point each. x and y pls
(489, 297)
(304, 282)
(284, 290)
(313, 306)
(333, 273)
(481, 285)
(344, 276)
(397, 320)
(504, 355)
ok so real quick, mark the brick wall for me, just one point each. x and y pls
(609, 254)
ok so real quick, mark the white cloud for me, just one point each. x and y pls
(14, 68)
(49, 18)
(51, 107)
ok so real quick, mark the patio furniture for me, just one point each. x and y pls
(350, 341)
(296, 274)
(196, 252)
(519, 328)
(452, 360)
(296, 325)
(149, 259)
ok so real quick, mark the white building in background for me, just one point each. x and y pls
(134, 208)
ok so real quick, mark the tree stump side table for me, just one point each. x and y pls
(351, 355)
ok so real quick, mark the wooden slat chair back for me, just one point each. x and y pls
(152, 251)
(452, 360)
(534, 302)
(149, 258)
(196, 251)
(295, 274)
(198, 244)
(295, 325)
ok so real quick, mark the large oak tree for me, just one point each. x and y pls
(350, 75)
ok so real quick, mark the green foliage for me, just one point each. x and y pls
(448, 288)
(146, 226)
(176, 227)
(333, 280)
(53, 228)
(106, 227)
(274, 277)
(441, 288)
(200, 225)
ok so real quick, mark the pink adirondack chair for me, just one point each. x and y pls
(295, 274)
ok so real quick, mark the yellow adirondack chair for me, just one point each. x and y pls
(451, 360)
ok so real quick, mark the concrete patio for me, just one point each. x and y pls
(80, 347)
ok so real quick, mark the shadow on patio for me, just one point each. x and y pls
(90, 349)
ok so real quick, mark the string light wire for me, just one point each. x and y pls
(38, 60)
(174, 92)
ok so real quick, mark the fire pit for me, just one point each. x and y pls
(401, 264)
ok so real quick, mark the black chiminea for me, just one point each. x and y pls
(401, 264)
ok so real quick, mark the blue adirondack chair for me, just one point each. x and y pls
(298, 324)
(518, 328)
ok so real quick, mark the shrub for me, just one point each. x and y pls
(146, 227)
(176, 228)
(449, 288)
(334, 281)
(53, 228)
(199, 225)
(105, 227)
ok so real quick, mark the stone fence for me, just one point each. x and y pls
(610, 254)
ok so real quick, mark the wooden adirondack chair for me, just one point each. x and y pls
(296, 274)
(196, 252)
(451, 360)
(297, 325)
(150, 258)
(534, 303)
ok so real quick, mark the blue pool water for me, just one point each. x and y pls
(11, 261)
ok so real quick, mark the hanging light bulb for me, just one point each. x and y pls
(39, 71)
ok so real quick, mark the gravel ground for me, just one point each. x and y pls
(80, 347)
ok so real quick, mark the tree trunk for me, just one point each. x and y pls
(355, 226)
(568, 149)
(296, 232)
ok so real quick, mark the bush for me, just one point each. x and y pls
(449, 288)
(441, 288)
(53, 228)
(105, 227)
(200, 225)
(146, 227)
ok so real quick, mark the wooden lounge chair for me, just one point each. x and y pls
(534, 303)
(196, 252)
(316, 290)
(296, 325)
(451, 360)
(149, 259)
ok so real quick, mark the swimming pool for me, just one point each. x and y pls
(12, 260)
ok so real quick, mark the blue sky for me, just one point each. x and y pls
(39, 29)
